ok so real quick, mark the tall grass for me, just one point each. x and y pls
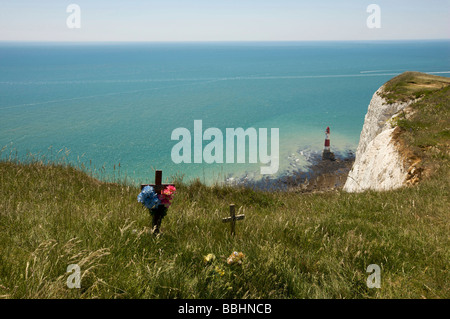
(296, 245)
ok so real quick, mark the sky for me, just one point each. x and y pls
(223, 20)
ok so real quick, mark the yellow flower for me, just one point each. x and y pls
(219, 270)
(209, 258)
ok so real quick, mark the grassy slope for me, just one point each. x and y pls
(296, 245)
(426, 132)
(412, 85)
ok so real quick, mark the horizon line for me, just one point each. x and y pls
(217, 41)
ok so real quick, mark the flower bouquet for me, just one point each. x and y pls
(235, 258)
(157, 204)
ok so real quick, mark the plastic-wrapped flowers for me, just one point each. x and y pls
(235, 258)
(157, 204)
(148, 197)
(166, 195)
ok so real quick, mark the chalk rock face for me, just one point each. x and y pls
(378, 164)
(380, 167)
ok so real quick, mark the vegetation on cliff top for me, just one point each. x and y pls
(412, 85)
(296, 245)
(424, 127)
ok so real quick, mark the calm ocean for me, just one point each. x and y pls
(119, 103)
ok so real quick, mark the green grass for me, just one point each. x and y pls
(430, 124)
(412, 85)
(296, 245)
(426, 130)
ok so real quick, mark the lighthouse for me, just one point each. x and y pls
(327, 139)
(327, 154)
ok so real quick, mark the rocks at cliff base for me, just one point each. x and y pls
(328, 155)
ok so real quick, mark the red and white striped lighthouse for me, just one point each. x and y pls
(327, 139)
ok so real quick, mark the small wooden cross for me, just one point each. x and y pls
(158, 187)
(233, 218)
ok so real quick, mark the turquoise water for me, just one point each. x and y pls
(119, 103)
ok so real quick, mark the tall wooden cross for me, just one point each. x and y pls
(158, 187)
(232, 219)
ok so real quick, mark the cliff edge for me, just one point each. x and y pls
(383, 161)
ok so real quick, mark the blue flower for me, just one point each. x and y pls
(148, 197)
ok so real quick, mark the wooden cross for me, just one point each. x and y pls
(158, 186)
(233, 218)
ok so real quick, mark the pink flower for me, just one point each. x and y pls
(166, 195)
(169, 190)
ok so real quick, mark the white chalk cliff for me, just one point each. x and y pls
(378, 163)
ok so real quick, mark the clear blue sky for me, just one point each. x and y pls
(223, 20)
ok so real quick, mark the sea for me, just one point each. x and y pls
(111, 108)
